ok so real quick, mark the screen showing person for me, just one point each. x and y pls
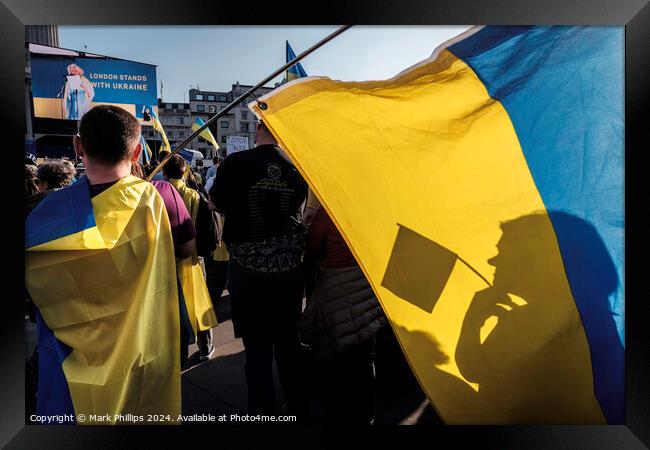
(78, 93)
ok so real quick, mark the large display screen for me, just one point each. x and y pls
(66, 87)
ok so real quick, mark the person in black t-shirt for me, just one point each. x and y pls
(261, 195)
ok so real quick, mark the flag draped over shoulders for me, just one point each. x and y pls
(102, 273)
(190, 197)
(193, 287)
(481, 191)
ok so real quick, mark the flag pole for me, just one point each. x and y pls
(234, 103)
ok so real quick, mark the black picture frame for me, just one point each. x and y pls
(633, 14)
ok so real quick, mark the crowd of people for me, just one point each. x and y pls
(249, 224)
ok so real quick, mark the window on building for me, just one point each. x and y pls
(223, 139)
(181, 121)
(200, 108)
(244, 126)
(224, 124)
(223, 98)
(244, 115)
(210, 98)
(198, 96)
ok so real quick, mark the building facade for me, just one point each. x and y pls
(176, 121)
(204, 105)
(42, 34)
(39, 34)
(239, 121)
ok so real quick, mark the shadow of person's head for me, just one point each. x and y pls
(520, 261)
(526, 256)
(558, 262)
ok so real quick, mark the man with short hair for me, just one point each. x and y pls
(261, 195)
(100, 267)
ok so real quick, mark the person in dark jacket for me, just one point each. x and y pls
(339, 324)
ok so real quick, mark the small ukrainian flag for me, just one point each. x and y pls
(295, 71)
(205, 134)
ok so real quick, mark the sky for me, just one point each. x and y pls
(215, 57)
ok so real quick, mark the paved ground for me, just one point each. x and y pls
(218, 386)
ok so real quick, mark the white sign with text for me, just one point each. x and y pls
(236, 144)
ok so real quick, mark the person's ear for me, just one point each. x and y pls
(136, 152)
(78, 147)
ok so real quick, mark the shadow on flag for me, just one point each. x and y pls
(418, 269)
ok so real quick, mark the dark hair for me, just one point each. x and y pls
(265, 131)
(109, 133)
(215, 159)
(162, 155)
(175, 168)
(56, 173)
(148, 168)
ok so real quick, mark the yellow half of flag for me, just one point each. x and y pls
(206, 133)
(420, 173)
(159, 128)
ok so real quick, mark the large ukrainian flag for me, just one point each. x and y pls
(481, 191)
(102, 273)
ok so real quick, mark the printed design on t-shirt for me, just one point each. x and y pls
(271, 203)
(275, 238)
(273, 255)
(273, 171)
